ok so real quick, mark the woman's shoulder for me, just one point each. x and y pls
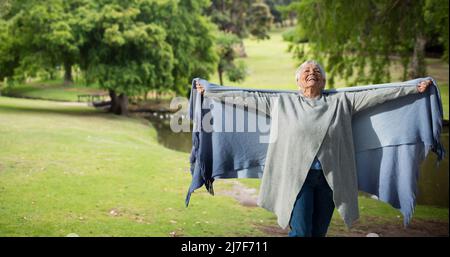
(338, 95)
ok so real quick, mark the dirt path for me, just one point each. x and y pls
(366, 226)
(417, 228)
(244, 195)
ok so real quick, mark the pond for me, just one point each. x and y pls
(433, 178)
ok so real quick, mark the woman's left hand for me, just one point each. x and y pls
(423, 86)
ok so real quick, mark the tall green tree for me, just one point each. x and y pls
(287, 11)
(260, 20)
(276, 9)
(357, 39)
(128, 47)
(190, 34)
(6, 57)
(436, 16)
(42, 37)
(132, 47)
(226, 43)
(242, 18)
(5, 7)
(124, 54)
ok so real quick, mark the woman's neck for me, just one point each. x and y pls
(311, 92)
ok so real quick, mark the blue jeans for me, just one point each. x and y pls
(313, 207)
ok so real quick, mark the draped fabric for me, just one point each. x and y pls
(390, 140)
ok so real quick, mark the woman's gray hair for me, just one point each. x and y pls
(302, 66)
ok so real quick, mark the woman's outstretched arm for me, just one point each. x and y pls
(365, 99)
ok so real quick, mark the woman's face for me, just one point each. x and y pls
(311, 77)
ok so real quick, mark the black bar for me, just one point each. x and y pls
(223, 246)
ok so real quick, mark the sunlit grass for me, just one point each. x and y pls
(51, 90)
(71, 169)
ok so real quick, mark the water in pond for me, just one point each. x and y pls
(433, 179)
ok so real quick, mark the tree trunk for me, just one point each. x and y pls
(119, 103)
(417, 68)
(114, 100)
(242, 53)
(220, 71)
(68, 79)
(123, 103)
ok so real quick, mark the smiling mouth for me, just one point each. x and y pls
(312, 78)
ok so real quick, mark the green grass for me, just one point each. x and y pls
(50, 90)
(269, 64)
(65, 168)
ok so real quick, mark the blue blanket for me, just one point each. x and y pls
(390, 142)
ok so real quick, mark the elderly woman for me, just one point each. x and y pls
(311, 168)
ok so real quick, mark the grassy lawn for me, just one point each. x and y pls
(71, 169)
(50, 90)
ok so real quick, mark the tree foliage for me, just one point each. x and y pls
(8, 57)
(39, 36)
(123, 53)
(242, 18)
(190, 34)
(357, 39)
(235, 21)
(128, 47)
(436, 15)
(5, 7)
(226, 43)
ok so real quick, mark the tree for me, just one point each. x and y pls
(242, 18)
(8, 58)
(357, 39)
(6, 6)
(133, 47)
(288, 11)
(276, 14)
(276, 9)
(190, 34)
(42, 36)
(225, 48)
(124, 54)
(260, 20)
(128, 47)
(436, 15)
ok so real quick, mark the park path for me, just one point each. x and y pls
(366, 227)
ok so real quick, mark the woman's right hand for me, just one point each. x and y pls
(424, 85)
(199, 87)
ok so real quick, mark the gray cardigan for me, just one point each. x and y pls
(325, 131)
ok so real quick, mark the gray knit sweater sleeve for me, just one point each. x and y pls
(364, 99)
(254, 101)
